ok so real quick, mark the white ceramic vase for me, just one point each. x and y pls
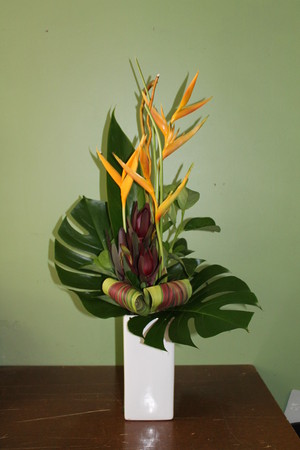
(148, 379)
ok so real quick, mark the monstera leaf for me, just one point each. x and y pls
(82, 236)
(218, 304)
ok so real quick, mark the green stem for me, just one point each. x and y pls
(124, 217)
(161, 249)
(153, 147)
(178, 231)
(158, 175)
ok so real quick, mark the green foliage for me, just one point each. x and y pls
(217, 305)
(82, 241)
(175, 245)
(82, 259)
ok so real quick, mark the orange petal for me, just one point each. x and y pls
(165, 205)
(189, 109)
(127, 180)
(188, 92)
(110, 169)
(160, 121)
(175, 144)
(145, 184)
(145, 161)
(134, 158)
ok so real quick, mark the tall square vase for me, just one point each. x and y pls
(148, 379)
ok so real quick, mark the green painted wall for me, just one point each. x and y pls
(64, 65)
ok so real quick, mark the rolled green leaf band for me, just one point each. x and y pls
(153, 298)
(167, 295)
(126, 296)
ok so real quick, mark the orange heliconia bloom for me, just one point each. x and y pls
(171, 139)
(145, 159)
(124, 181)
(165, 205)
(143, 182)
(161, 209)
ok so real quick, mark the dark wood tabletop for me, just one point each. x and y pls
(216, 408)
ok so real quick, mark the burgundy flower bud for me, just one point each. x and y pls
(136, 251)
(141, 220)
(148, 264)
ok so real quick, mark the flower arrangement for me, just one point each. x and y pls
(127, 255)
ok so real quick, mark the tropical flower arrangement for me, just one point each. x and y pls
(129, 255)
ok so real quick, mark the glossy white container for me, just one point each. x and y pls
(148, 379)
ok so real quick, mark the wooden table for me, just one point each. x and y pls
(216, 408)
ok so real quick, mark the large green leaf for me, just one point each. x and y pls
(82, 237)
(218, 304)
(118, 143)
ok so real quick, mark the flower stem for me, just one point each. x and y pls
(179, 229)
(124, 216)
(158, 171)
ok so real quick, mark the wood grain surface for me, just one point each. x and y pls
(216, 408)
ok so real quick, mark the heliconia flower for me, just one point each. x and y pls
(171, 139)
(184, 110)
(165, 205)
(145, 159)
(144, 183)
(161, 209)
(123, 181)
(182, 139)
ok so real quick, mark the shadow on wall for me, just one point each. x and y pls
(51, 252)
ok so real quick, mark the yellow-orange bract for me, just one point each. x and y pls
(171, 139)
(124, 181)
(161, 209)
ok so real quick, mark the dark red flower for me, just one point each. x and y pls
(141, 222)
(137, 249)
(148, 264)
